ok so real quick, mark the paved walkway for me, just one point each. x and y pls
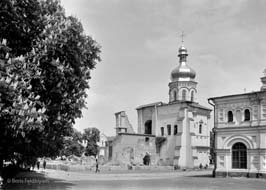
(135, 180)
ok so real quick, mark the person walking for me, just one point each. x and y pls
(44, 164)
(38, 164)
(33, 165)
(97, 167)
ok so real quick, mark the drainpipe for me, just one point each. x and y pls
(214, 159)
(156, 119)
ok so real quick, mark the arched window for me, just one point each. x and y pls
(184, 94)
(230, 116)
(175, 96)
(247, 115)
(148, 127)
(239, 156)
(169, 129)
(162, 131)
(192, 96)
(200, 128)
(175, 130)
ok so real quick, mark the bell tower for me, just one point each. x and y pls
(182, 86)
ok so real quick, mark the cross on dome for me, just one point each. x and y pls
(182, 37)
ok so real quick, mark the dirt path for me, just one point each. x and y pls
(134, 180)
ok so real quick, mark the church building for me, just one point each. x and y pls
(176, 133)
(240, 133)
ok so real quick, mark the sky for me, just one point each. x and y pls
(139, 41)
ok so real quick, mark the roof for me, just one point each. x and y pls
(197, 105)
(149, 105)
(136, 134)
(101, 133)
(234, 95)
(193, 104)
(119, 112)
(110, 138)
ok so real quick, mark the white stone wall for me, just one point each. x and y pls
(131, 149)
(144, 115)
(178, 149)
(251, 133)
(169, 115)
(238, 104)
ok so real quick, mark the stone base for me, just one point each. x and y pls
(239, 174)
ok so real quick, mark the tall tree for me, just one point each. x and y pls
(48, 82)
(66, 56)
(21, 113)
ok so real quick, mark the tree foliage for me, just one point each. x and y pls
(20, 23)
(66, 57)
(79, 143)
(21, 112)
(73, 144)
(91, 137)
(45, 64)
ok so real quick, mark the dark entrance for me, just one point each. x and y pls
(148, 127)
(147, 159)
(239, 156)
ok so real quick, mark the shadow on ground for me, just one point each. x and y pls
(204, 176)
(34, 180)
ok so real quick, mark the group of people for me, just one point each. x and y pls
(38, 163)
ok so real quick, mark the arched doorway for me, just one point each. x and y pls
(147, 159)
(239, 156)
(148, 127)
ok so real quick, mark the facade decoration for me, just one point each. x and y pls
(240, 133)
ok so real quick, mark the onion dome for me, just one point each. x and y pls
(183, 72)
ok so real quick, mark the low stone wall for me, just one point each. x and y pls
(65, 167)
(153, 168)
(240, 174)
(113, 168)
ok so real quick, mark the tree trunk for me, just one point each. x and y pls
(1, 165)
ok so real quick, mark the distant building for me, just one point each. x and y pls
(240, 133)
(175, 133)
(103, 147)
